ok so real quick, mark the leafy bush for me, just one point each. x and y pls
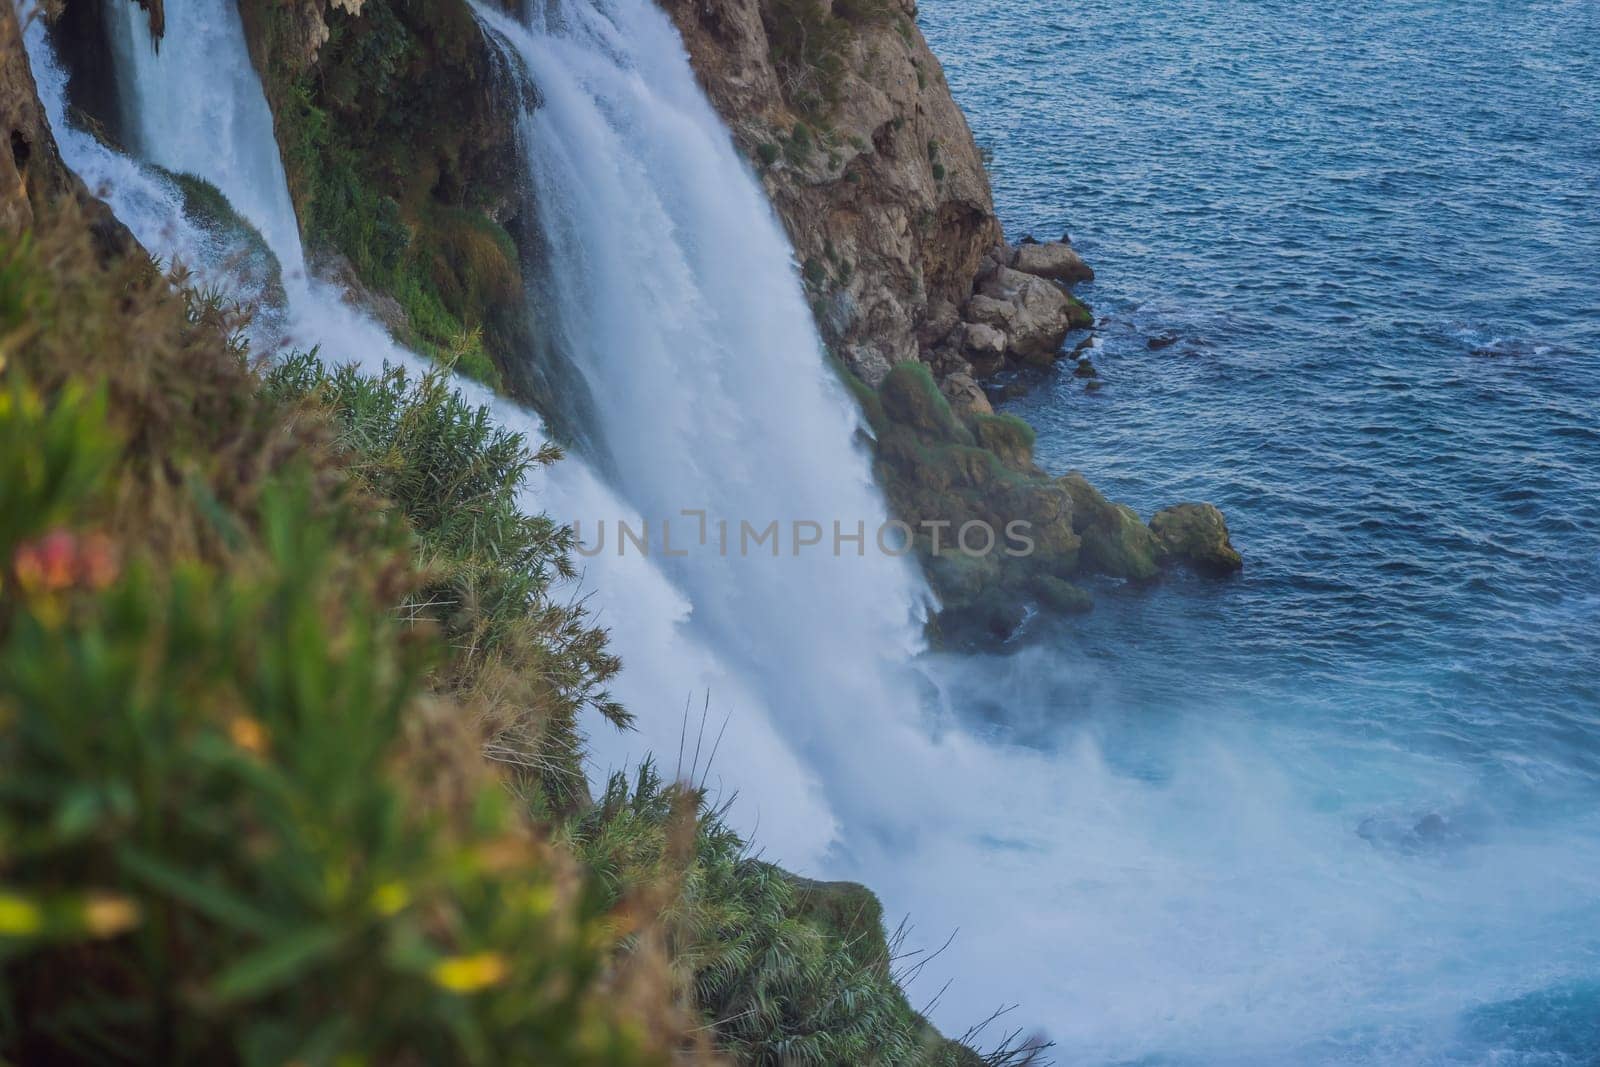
(780, 976)
(204, 773)
(529, 661)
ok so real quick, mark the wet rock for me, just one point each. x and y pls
(1085, 369)
(33, 176)
(1054, 260)
(1093, 385)
(867, 363)
(1161, 340)
(1196, 535)
(1115, 542)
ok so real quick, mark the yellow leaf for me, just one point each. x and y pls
(19, 917)
(470, 974)
(389, 898)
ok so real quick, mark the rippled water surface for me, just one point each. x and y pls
(1371, 234)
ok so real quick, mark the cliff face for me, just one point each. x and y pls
(868, 161)
(402, 159)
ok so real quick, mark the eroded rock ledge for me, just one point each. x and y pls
(944, 466)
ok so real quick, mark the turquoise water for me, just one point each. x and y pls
(1371, 234)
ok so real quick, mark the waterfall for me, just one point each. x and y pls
(670, 287)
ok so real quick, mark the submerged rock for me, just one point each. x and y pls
(1062, 596)
(1197, 535)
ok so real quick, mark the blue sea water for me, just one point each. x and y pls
(1371, 232)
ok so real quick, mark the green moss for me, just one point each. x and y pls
(814, 272)
(388, 169)
(1007, 437)
(257, 274)
(912, 398)
(865, 396)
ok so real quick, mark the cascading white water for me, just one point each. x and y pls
(194, 105)
(672, 290)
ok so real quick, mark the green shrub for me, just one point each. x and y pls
(810, 44)
(490, 568)
(779, 976)
(767, 153)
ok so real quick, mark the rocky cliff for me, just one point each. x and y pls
(870, 163)
(401, 154)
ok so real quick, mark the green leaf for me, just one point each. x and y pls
(277, 964)
(214, 901)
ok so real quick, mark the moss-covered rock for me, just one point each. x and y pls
(987, 524)
(1062, 596)
(910, 398)
(1115, 542)
(1007, 437)
(243, 254)
(1196, 535)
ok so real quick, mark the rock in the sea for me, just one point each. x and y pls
(1161, 340)
(1034, 314)
(966, 396)
(1052, 259)
(1196, 534)
(1085, 369)
(1115, 542)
